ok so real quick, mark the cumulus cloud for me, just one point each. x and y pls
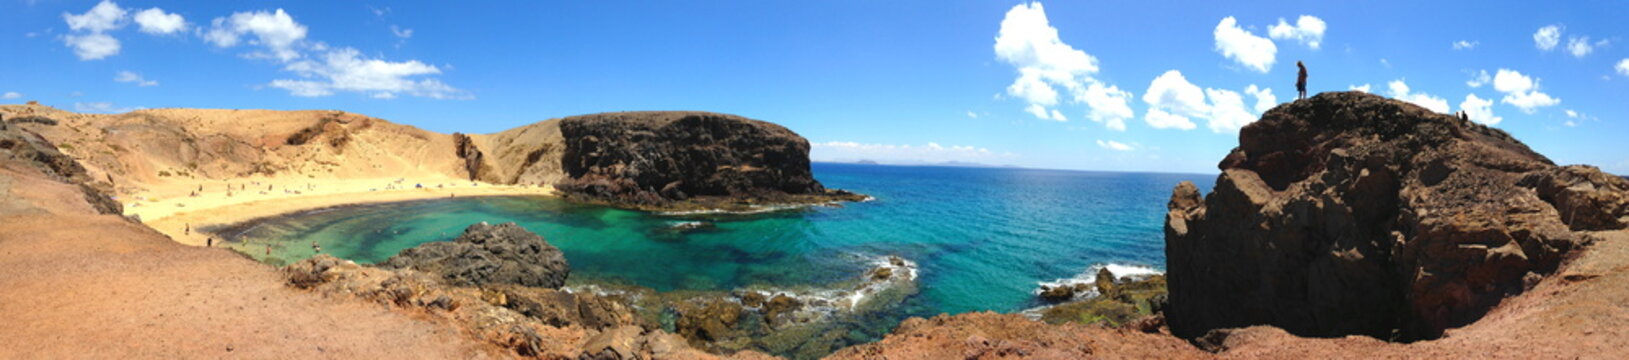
(276, 31)
(1547, 37)
(1108, 105)
(156, 21)
(1466, 45)
(1308, 30)
(134, 78)
(932, 152)
(345, 69)
(1400, 90)
(1172, 101)
(105, 16)
(1113, 145)
(1265, 100)
(102, 107)
(1363, 88)
(1623, 67)
(11, 95)
(1521, 91)
(89, 39)
(1480, 78)
(1579, 46)
(1254, 52)
(1479, 110)
(1045, 64)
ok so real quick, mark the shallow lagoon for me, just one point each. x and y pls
(983, 237)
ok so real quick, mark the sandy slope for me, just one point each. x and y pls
(79, 285)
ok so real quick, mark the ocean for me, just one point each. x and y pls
(982, 238)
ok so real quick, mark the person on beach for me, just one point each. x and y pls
(1301, 81)
(188, 229)
(315, 247)
(210, 242)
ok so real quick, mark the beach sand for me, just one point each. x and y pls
(173, 209)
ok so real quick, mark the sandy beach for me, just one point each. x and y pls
(176, 211)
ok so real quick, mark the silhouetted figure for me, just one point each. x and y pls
(1301, 81)
(210, 242)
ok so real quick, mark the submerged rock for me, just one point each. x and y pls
(489, 254)
(1350, 213)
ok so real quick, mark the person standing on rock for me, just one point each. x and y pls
(1301, 81)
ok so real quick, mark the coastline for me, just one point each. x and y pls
(173, 216)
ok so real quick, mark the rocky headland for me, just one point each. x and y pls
(1352, 214)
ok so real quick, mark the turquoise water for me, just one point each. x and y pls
(983, 238)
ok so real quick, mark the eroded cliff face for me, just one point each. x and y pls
(654, 159)
(1349, 213)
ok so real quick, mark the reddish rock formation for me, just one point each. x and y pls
(1349, 213)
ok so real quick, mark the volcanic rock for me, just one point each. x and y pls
(654, 159)
(488, 254)
(1350, 213)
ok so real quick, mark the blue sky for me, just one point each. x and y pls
(1123, 86)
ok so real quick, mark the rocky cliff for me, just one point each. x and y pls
(657, 159)
(1349, 213)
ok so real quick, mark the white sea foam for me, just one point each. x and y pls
(1089, 277)
(824, 302)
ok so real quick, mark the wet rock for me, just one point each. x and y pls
(1349, 213)
(751, 298)
(1059, 293)
(781, 304)
(489, 254)
(707, 320)
(1105, 283)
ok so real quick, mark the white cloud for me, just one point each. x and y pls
(1028, 42)
(1265, 100)
(1521, 91)
(1113, 145)
(276, 31)
(89, 40)
(1172, 100)
(932, 152)
(105, 16)
(973, 115)
(400, 32)
(1173, 103)
(1108, 105)
(1227, 111)
(1308, 30)
(92, 46)
(1466, 45)
(1159, 119)
(1400, 90)
(1363, 88)
(1481, 78)
(1479, 109)
(11, 95)
(1572, 114)
(156, 21)
(1254, 52)
(1623, 67)
(102, 107)
(132, 77)
(346, 69)
(1579, 46)
(1547, 37)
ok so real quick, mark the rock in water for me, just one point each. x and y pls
(1350, 213)
(488, 254)
(651, 159)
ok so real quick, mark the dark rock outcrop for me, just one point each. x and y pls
(474, 163)
(1349, 213)
(489, 254)
(656, 159)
